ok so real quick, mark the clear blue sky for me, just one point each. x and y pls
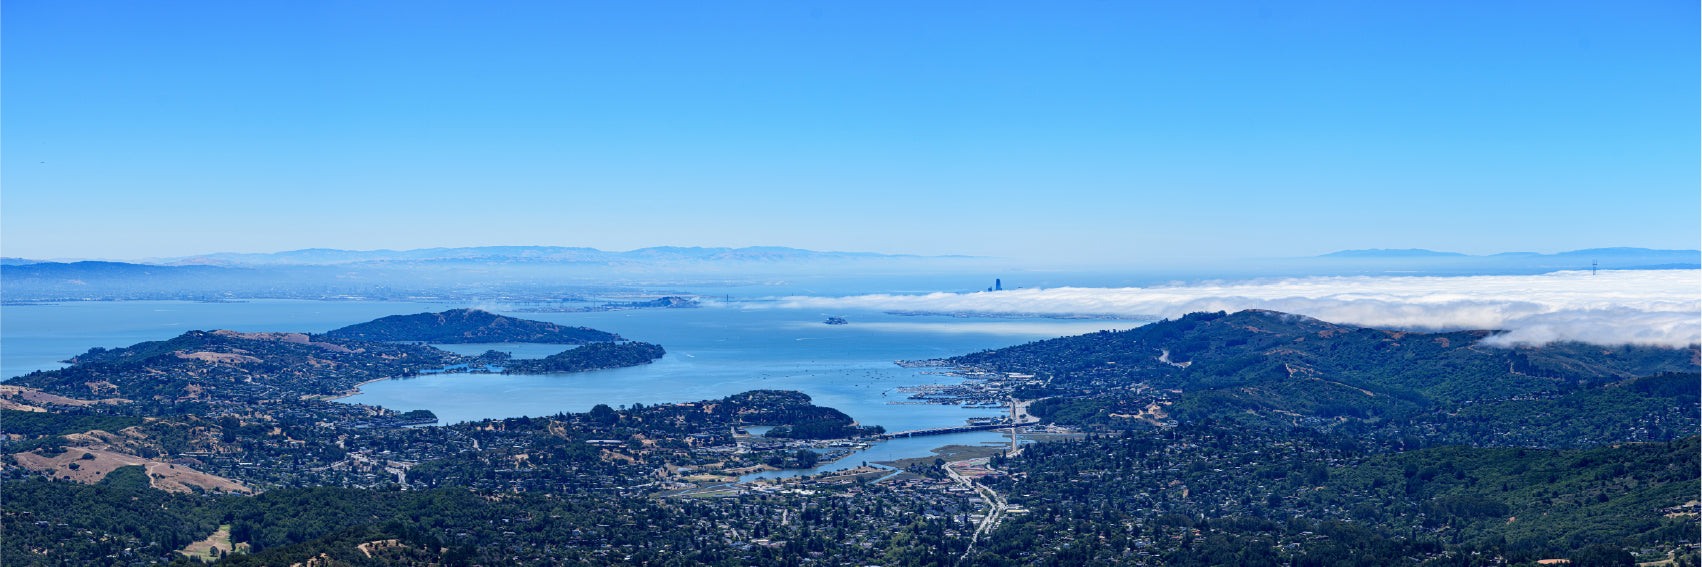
(1121, 131)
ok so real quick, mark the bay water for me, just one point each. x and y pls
(712, 352)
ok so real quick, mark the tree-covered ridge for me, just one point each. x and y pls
(36, 424)
(468, 326)
(1270, 364)
(188, 344)
(227, 367)
(1212, 495)
(223, 366)
(56, 523)
(593, 356)
(1656, 408)
(1218, 350)
(63, 523)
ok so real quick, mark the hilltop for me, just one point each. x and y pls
(1278, 368)
(1430, 261)
(534, 272)
(469, 326)
(233, 368)
(596, 356)
(536, 255)
(1221, 350)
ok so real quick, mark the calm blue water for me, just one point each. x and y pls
(712, 352)
(519, 350)
(715, 352)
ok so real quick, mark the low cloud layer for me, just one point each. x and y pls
(1648, 307)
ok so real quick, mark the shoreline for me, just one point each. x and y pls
(950, 453)
(355, 391)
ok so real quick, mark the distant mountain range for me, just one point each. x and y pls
(531, 255)
(555, 272)
(567, 255)
(514, 255)
(1604, 258)
(1391, 253)
(1619, 252)
(443, 273)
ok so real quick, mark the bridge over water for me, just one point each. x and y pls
(943, 430)
(1019, 414)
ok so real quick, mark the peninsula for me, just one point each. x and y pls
(229, 370)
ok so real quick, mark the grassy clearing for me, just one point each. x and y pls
(214, 546)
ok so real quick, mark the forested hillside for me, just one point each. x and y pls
(468, 326)
(1278, 369)
(1265, 348)
(227, 366)
(594, 356)
(1210, 495)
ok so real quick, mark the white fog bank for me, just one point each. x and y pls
(1645, 307)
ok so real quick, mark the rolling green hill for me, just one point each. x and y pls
(206, 366)
(595, 356)
(469, 326)
(1286, 369)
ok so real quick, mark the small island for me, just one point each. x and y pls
(461, 326)
(837, 321)
(667, 302)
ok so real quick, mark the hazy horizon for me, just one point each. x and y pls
(1196, 263)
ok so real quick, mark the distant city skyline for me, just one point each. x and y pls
(1106, 133)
